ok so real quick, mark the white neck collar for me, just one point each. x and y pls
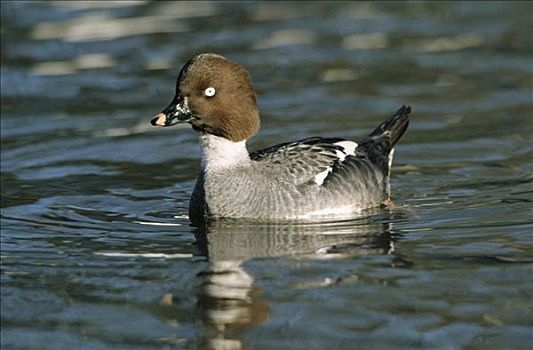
(219, 153)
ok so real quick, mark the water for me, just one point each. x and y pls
(97, 251)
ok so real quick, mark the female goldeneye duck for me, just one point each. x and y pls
(304, 179)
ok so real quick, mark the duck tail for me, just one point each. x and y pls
(394, 127)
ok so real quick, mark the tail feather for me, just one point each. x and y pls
(394, 127)
(380, 143)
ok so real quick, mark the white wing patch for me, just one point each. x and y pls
(341, 155)
(349, 147)
(320, 177)
(348, 150)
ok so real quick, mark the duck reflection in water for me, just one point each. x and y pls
(229, 303)
(228, 299)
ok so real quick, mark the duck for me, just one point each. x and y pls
(306, 179)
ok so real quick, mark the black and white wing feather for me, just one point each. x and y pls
(332, 161)
(301, 160)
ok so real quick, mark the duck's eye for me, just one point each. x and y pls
(210, 91)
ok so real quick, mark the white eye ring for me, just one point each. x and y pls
(210, 91)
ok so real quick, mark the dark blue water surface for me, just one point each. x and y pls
(96, 247)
